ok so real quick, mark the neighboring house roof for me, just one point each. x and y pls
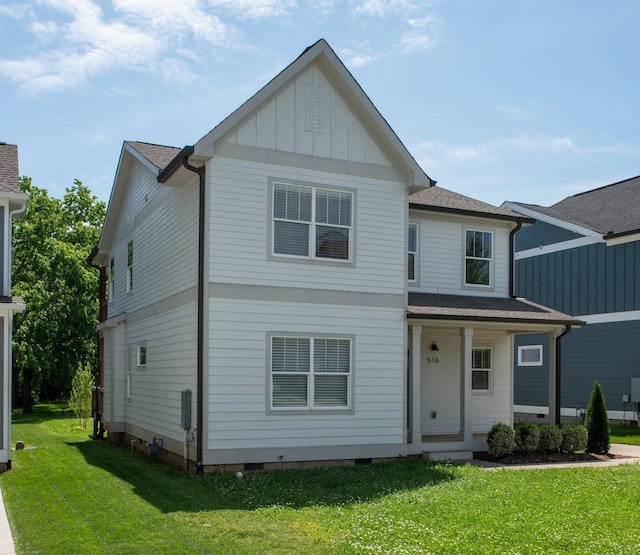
(158, 155)
(438, 199)
(9, 175)
(611, 211)
(321, 53)
(434, 306)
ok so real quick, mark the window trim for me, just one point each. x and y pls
(490, 370)
(311, 258)
(111, 280)
(522, 348)
(416, 254)
(310, 409)
(465, 258)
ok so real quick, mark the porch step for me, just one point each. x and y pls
(447, 455)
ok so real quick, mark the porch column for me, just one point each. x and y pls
(414, 416)
(466, 399)
(553, 406)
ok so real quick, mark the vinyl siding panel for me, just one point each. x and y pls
(241, 221)
(238, 391)
(592, 279)
(441, 254)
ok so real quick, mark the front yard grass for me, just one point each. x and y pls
(72, 495)
(629, 434)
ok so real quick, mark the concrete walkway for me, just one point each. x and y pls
(630, 451)
(6, 541)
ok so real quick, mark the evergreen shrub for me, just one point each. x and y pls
(550, 438)
(527, 437)
(574, 438)
(597, 423)
(500, 440)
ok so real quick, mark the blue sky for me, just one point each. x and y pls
(496, 99)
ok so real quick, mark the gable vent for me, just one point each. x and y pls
(314, 109)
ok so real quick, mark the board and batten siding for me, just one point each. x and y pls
(333, 131)
(592, 279)
(238, 393)
(162, 222)
(155, 401)
(240, 222)
(441, 254)
(541, 234)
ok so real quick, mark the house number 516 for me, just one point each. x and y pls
(433, 360)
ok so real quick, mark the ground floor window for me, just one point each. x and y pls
(530, 355)
(481, 361)
(310, 372)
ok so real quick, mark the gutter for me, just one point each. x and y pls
(512, 254)
(182, 159)
(566, 331)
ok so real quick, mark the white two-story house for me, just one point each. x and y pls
(263, 309)
(13, 203)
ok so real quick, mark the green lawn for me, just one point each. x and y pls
(625, 434)
(71, 495)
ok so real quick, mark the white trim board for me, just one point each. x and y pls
(611, 317)
(556, 247)
(572, 413)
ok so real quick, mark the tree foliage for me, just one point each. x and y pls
(597, 422)
(57, 331)
(81, 394)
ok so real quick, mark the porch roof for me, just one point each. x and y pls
(433, 306)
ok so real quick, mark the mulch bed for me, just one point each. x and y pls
(546, 458)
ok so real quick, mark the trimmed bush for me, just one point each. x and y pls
(527, 437)
(550, 438)
(597, 423)
(500, 440)
(574, 438)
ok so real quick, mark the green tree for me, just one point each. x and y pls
(56, 332)
(597, 422)
(81, 394)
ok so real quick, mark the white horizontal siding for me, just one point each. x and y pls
(280, 124)
(155, 403)
(238, 396)
(240, 218)
(164, 231)
(441, 254)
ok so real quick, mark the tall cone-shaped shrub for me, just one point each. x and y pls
(597, 422)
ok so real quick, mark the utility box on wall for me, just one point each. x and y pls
(186, 409)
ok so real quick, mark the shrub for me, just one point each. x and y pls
(574, 438)
(597, 422)
(550, 438)
(81, 394)
(500, 440)
(527, 437)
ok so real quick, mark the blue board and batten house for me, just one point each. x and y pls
(582, 257)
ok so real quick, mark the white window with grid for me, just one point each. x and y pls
(130, 267)
(310, 373)
(112, 280)
(412, 252)
(312, 222)
(481, 369)
(478, 257)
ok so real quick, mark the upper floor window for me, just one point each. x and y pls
(481, 369)
(311, 222)
(310, 372)
(112, 279)
(478, 256)
(130, 267)
(412, 251)
(142, 354)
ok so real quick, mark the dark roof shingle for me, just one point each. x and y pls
(158, 155)
(9, 174)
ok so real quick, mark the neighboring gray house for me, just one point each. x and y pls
(582, 257)
(12, 204)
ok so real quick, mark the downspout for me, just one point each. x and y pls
(201, 340)
(566, 331)
(512, 250)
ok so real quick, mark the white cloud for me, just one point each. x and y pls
(17, 11)
(358, 55)
(383, 8)
(256, 9)
(422, 33)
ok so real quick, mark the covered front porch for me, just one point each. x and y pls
(461, 368)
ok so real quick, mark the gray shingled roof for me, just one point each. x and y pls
(9, 176)
(613, 209)
(440, 199)
(462, 307)
(158, 155)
